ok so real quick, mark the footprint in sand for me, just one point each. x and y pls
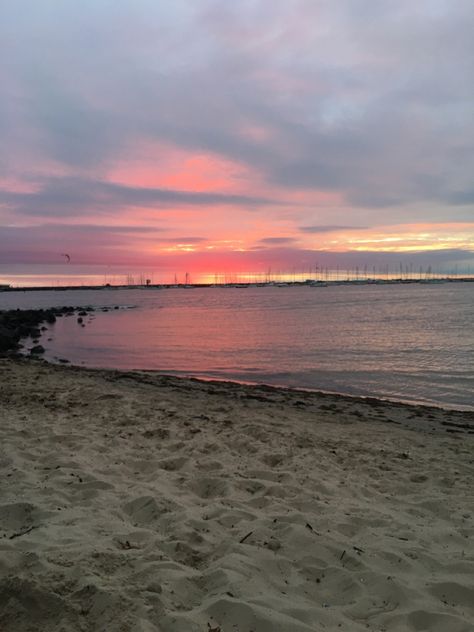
(17, 519)
(209, 465)
(23, 602)
(208, 487)
(424, 620)
(273, 460)
(454, 594)
(146, 510)
(173, 464)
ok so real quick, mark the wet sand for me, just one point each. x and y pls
(139, 503)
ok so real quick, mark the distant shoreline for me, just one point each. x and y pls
(243, 285)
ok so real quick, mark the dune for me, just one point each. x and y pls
(134, 502)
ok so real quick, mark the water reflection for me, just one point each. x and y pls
(406, 342)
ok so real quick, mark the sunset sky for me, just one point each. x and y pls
(214, 136)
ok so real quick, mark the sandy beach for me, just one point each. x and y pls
(134, 502)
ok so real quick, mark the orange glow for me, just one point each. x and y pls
(396, 238)
(163, 166)
(415, 238)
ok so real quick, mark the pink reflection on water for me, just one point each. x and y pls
(370, 340)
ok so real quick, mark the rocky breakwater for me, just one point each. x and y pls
(17, 324)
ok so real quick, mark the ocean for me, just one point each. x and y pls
(412, 343)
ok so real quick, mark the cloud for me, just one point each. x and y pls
(277, 240)
(288, 259)
(183, 240)
(364, 101)
(465, 197)
(70, 196)
(329, 228)
(147, 246)
(348, 102)
(89, 229)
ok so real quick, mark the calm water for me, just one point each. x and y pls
(410, 343)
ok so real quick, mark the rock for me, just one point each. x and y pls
(37, 349)
(50, 317)
(79, 320)
(16, 324)
(8, 340)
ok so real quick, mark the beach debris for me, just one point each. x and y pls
(67, 257)
(242, 540)
(126, 546)
(211, 629)
(309, 526)
(20, 533)
(342, 556)
(466, 426)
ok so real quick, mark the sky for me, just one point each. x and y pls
(214, 136)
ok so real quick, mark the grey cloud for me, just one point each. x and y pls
(301, 260)
(374, 102)
(91, 228)
(46, 242)
(329, 229)
(75, 133)
(73, 196)
(277, 240)
(461, 197)
(37, 235)
(183, 240)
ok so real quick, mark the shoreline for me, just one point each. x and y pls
(431, 396)
(245, 284)
(185, 381)
(297, 389)
(137, 501)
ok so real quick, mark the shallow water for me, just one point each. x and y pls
(403, 342)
